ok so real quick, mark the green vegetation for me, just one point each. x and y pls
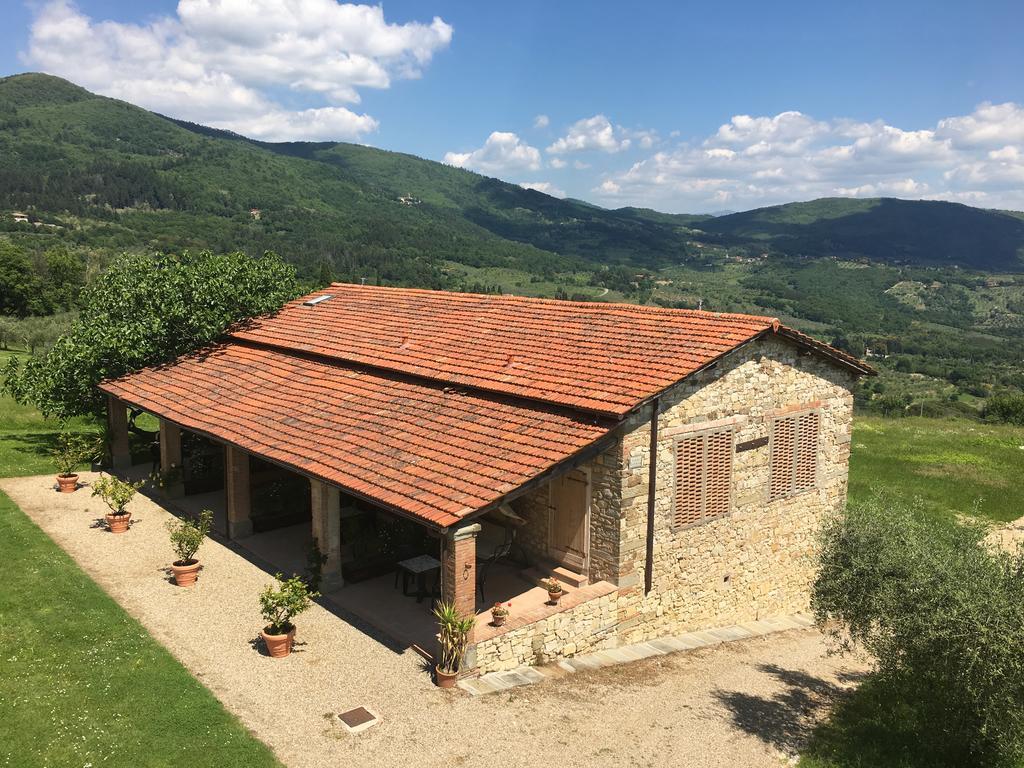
(942, 616)
(280, 604)
(141, 311)
(954, 466)
(70, 679)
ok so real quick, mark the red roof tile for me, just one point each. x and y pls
(423, 449)
(605, 358)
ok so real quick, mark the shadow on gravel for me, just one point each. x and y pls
(786, 719)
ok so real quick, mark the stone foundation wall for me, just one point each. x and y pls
(759, 559)
(589, 626)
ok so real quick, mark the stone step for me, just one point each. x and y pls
(560, 573)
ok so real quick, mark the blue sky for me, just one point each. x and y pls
(676, 106)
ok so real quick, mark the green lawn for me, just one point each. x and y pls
(82, 683)
(950, 464)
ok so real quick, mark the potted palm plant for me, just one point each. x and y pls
(116, 494)
(186, 537)
(71, 450)
(279, 606)
(554, 588)
(454, 634)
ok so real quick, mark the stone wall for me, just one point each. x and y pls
(759, 559)
(583, 628)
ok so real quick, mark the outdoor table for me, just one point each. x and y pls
(418, 567)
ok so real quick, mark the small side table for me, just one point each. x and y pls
(418, 568)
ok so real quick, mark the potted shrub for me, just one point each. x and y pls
(71, 450)
(554, 588)
(116, 494)
(499, 613)
(186, 537)
(279, 606)
(454, 632)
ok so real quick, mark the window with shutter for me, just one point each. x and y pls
(794, 453)
(703, 477)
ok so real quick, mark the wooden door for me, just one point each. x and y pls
(569, 529)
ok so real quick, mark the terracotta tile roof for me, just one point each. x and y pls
(432, 452)
(604, 358)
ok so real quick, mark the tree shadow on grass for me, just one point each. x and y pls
(785, 720)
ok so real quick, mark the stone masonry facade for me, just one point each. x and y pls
(756, 561)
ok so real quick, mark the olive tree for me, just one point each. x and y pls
(941, 613)
(142, 311)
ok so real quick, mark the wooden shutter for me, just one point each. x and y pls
(794, 454)
(703, 477)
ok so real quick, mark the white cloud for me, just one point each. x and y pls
(543, 186)
(591, 133)
(762, 160)
(218, 62)
(541, 121)
(579, 165)
(558, 163)
(501, 153)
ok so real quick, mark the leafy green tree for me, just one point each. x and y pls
(943, 617)
(21, 288)
(143, 311)
(1007, 408)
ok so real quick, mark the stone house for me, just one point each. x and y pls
(670, 467)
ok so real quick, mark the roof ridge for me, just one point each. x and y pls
(765, 319)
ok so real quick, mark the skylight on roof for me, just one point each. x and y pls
(318, 299)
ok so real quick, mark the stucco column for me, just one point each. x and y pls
(458, 569)
(170, 459)
(326, 504)
(117, 421)
(237, 493)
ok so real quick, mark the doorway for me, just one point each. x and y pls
(569, 522)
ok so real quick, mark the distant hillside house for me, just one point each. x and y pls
(670, 467)
(256, 213)
(19, 217)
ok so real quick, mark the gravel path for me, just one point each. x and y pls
(747, 703)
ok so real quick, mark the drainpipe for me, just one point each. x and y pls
(652, 487)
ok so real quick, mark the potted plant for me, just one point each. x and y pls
(499, 613)
(186, 537)
(71, 450)
(116, 494)
(554, 588)
(454, 634)
(279, 606)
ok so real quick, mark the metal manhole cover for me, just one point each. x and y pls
(358, 719)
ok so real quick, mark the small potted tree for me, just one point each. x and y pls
(454, 633)
(71, 450)
(499, 612)
(116, 494)
(186, 537)
(279, 606)
(554, 588)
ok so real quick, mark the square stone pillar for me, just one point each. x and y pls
(326, 503)
(458, 568)
(117, 421)
(170, 459)
(237, 492)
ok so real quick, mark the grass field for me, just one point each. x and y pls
(954, 466)
(83, 684)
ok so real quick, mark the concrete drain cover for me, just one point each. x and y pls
(358, 719)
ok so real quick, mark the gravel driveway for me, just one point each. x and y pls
(747, 703)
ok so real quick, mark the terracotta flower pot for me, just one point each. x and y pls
(118, 523)
(445, 679)
(67, 483)
(497, 620)
(554, 597)
(185, 572)
(278, 646)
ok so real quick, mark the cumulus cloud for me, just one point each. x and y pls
(762, 160)
(543, 186)
(541, 121)
(220, 62)
(591, 133)
(557, 162)
(503, 152)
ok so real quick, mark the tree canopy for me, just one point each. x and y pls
(143, 311)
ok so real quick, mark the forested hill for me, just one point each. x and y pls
(113, 176)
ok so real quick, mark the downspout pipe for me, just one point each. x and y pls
(652, 492)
